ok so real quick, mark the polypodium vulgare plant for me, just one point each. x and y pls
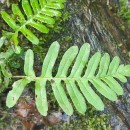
(87, 72)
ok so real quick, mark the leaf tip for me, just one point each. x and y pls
(55, 43)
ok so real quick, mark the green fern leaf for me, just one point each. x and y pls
(9, 20)
(41, 98)
(16, 92)
(61, 97)
(49, 60)
(39, 13)
(90, 95)
(113, 65)
(104, 65)
(113, 84)
(104, 89)
(124, 70)
(75, 95)
(28, 65)
(97, 72)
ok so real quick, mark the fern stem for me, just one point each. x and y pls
(61, 78)
(48, 78)
(27, 22)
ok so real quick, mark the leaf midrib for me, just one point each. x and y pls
(64, 78)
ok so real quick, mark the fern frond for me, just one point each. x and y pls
(38, 13)
(99, 72)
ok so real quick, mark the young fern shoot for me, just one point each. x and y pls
(100, 72)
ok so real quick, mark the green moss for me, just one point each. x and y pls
(93, 120)
(124, 11)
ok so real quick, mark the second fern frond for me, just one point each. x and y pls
(39, 14)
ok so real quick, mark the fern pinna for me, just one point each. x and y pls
(39, 14)
(99, 72)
